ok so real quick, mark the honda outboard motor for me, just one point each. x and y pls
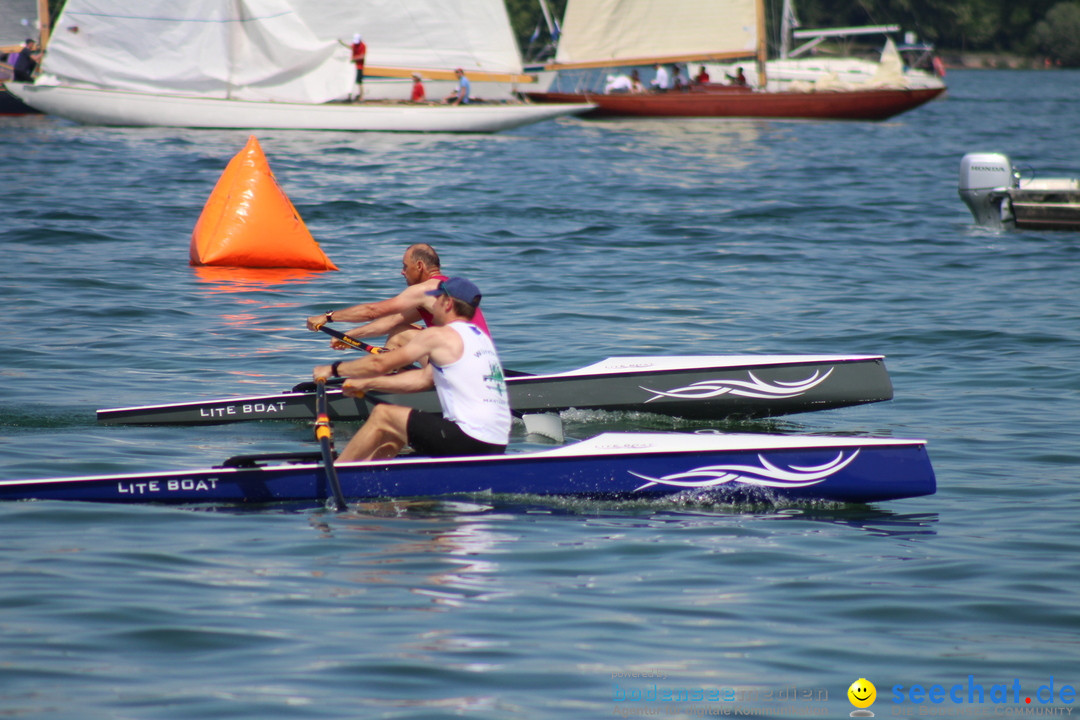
(985, 181)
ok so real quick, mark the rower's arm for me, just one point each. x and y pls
(408, 300)
(416, 350)
(370, 311)
(406, 381)
(382, 326)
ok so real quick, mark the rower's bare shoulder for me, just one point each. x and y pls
(418, 293)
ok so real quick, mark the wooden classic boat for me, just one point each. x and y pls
(635, 35)
(11, 105)
(724, 101)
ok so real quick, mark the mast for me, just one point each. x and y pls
(552, 24)
(762, 45)
(44, 22)
(234, 30)
(788, 22)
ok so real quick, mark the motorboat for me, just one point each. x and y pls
(1000, 196)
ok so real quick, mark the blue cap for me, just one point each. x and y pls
(458, 288)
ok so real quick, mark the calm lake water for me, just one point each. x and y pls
(589, 239)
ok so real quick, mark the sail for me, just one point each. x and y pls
(18, 21)
(474, 35)
(890, 70)
(613, 32)
(239, 49)
(271, 50)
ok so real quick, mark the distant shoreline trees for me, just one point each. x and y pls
(1035, 28)
(1058, 36)
(1047, 29)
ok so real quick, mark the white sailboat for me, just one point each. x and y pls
(275, 64)
(796, 68)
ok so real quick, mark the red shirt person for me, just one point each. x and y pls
(359, 54)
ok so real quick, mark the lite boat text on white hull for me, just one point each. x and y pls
(696, 387)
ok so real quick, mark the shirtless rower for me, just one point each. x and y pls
(395, 318)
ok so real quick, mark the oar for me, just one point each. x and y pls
(547, 424)
(325, 435)
(351, 341)
(375, 350)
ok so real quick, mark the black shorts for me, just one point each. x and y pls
(434, 435)
(360, 76)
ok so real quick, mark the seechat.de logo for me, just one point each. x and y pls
(862, 695)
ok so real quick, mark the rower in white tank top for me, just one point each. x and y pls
(472, 389)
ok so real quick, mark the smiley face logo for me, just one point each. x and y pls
(862, 694)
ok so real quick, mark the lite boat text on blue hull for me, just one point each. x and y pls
(610, 465)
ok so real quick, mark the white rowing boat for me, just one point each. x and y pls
(702, 387)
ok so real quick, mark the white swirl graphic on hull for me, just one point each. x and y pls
(767, 475)
(752, 388)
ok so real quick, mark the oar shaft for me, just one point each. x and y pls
(324, 434)
(359, 344)
(351, 341)
(375, 350)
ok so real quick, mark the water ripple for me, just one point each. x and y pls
(590, 239)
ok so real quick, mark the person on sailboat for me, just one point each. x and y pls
(678, 82)
(661, 81)
(395, 317)
(739, 79)
(359, 54)
(459, 361)
(26, 62)
(460, 95)
(702, 78)
(618, 84)
(418, 94)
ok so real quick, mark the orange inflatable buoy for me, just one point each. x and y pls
(248, 221)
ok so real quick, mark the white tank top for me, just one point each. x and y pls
(472, 390)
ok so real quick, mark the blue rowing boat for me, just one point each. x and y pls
(610, 465)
